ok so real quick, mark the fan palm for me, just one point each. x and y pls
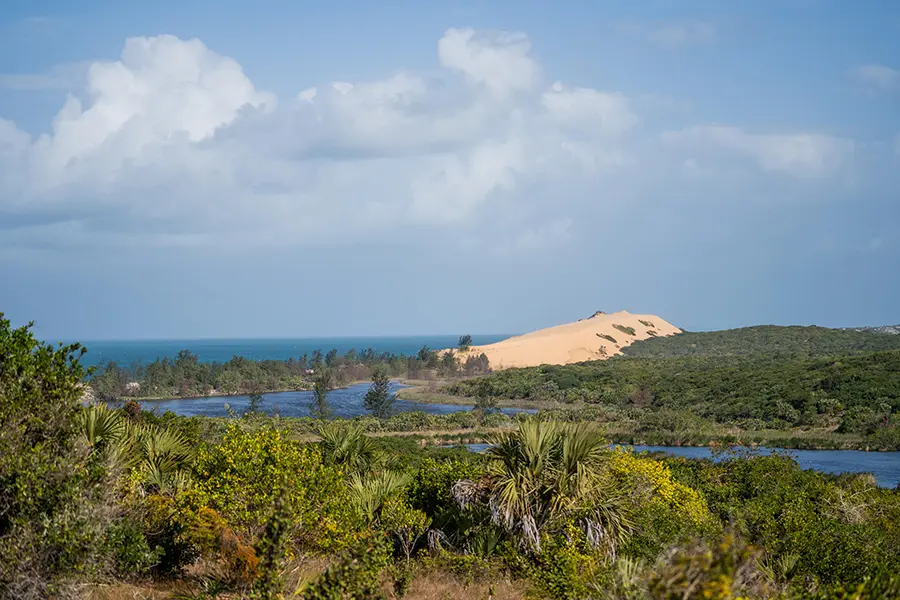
(160, 454)
(368, 493)
(348, 446)
(101, 426)
(544, 475)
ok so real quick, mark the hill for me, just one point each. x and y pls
(766, 339)
(596, 338)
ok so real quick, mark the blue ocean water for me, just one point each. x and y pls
(127, 352)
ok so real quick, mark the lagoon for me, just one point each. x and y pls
(884, 466)
(345, 402)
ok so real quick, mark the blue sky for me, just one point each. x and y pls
(208, 169)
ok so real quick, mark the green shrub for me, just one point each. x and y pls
(356, 576)
(240, 477)
(624, 329)
(47, 488)
(130, 551)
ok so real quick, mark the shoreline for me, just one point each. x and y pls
(238, 394)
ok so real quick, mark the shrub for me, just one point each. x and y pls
(665, 511)
(240, 477)
(356, 576)
(624, 329)
(725, 571)
(47, 530)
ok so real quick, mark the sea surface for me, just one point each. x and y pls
(884, 466)
(128, 352)
(345, 402)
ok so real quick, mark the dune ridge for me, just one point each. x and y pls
(595, 338)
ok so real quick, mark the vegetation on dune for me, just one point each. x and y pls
(624, 329)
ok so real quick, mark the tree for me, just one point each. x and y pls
(44, 533)
(319, 408)
(379, 400)
(465, 341)
(255, 401)
(449, 364)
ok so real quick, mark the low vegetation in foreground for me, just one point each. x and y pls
(111, 503)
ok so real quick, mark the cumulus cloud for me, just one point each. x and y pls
(797, 154)
(878, 76)
(498, 60)
(172, 144)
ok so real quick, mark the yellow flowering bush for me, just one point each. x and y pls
(665, 510)
(684, 500)
(241, 476)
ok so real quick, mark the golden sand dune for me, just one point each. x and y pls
(599, 337)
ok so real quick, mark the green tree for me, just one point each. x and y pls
(255, 401)
(379, 400)
(318, 407)
(465, 341)
(44, 533)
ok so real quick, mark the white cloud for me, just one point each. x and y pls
(589, 111)
(499, 60)
(797, 154)
(173, 144)
(878, 76)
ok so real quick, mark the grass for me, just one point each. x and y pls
(646, 323)
(607, 337)
(429, 584)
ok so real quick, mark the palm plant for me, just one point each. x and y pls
(545, 475)
(348, 446)
(161, 455)
(368, 493)
(101, 426)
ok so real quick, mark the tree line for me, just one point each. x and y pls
(185, 375)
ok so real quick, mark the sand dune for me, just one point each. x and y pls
(596, 338)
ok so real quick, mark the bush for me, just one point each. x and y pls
(241, 476)
(356, 576)
(624, 329)
(47, 531)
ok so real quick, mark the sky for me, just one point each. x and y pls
(211, 168)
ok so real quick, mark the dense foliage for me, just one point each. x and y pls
(44, 478)
(765, 339)
(753, 378)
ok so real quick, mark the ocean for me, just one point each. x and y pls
(128, 352)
